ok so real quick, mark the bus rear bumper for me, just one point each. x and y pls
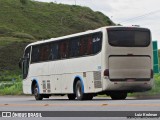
(130, 86)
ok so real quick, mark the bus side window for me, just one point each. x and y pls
(97, 42)
(81, 47)
(45, 50)
(61, 50)
(89, 45)
(73, 47)
(54, 52)
(76, 47)
(85, 45)
(65, 50)
(35, 54)
(70, 48)
(42, 53)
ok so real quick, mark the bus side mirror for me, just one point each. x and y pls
(20, 63)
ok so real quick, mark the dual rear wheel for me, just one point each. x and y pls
(118, 95)
(79, 93)
(82, 96)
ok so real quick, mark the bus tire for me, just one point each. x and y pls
(89, 96)
(71, 96)
(118, 96)
(78, 90)
(36, 94)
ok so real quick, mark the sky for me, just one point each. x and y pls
(145, 13)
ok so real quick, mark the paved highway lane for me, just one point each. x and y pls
(54, 103)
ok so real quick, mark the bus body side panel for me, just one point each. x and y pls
(57, 77)
(84, 67)
(92, 84)
(38, 69)
(60, 75)
(56, 83)
(38, 72)
(26, 85)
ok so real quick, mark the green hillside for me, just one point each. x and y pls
(45, 20)
(25, 21)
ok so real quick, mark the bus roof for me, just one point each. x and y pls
(74, 35)
(66, 36)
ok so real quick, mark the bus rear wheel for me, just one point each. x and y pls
(36, 93)
(79, 93)
(118, 96)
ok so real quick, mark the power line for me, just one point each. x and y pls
(140, 17)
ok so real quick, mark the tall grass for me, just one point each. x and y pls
(156, 88)
(155, 91)
(15, 89)
(10, 84)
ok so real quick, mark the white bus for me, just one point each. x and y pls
(112, 60)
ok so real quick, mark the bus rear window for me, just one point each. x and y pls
(123, 37)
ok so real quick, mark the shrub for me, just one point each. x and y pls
(23, 2)
(5, 30)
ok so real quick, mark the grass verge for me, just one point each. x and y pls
(15, 87)
(11, 85)
(155, 91)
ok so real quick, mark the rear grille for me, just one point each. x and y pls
(97, 79)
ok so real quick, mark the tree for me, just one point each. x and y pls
(23, 1)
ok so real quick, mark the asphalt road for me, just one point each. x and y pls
(54, 103)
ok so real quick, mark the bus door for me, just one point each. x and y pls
(25, 62)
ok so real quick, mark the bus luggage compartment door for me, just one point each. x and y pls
(129, 67)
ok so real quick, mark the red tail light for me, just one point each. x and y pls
(106, 72)
(152, 73)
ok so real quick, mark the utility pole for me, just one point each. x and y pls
(75, 2)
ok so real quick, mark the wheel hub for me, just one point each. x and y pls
(79, 91)
(36, 91)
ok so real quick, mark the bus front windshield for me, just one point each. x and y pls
(133, 37)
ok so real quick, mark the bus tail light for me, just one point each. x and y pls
(152, 73)
(106, 72)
